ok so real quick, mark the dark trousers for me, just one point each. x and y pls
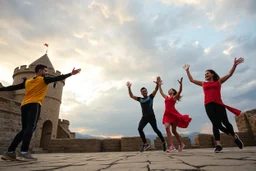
(152, 121)
(29, 116)
(218, 116)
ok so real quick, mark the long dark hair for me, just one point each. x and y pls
(216, 77)
(174, 93)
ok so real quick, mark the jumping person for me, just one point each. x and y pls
(148, 115)
(36, 89)
(172, 118)
(215, 108)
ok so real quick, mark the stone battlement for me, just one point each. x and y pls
(134, 143)
(31, 69)
(63, 121)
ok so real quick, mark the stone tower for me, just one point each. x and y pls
(48, 123)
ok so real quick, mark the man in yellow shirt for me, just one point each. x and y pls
(36, 89)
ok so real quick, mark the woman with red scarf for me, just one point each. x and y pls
(215, 108)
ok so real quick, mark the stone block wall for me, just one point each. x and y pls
(10, 121)
(63, 129)
(74, 145)
(111, 145)
(10, 125)
(227, 140)
(185, 140)
(251, 116)
(246, 122)
(132, 143)
(204, 141)
(61, 133)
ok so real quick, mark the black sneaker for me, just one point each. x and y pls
(26, 157)
(9, 156)
(238, 142)
(144, 147)
(164, 147)
(218, 149)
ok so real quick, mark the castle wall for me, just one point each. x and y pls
(6, 94)
(132, 143)
(246, 122)
(74, 145)
(63, 129)
(10, 121)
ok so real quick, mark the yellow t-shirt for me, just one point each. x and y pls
(36, 89)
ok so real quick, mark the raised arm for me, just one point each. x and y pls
(236, 62)
(14, 87)
(49, 80)
(159, 83)
(199, 83)
(128, 84)
(156, 88)
(177, 96)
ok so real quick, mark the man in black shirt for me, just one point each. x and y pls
(148, 115)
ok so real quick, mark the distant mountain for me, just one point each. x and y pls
(79, 135)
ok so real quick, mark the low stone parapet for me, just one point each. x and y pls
(132, 143)
(74, 145)
(111, 145)
(204, 141)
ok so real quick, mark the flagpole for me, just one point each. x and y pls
(46, 47)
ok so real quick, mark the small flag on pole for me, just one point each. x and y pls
(46, 46)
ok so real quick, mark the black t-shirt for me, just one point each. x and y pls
(147, 105)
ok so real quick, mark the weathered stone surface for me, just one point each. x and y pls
(246, 122)
(190, 159)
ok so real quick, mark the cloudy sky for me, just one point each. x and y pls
(115, 41)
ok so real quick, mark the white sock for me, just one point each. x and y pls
(23, 152)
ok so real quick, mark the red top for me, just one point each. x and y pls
(170, 105)
(212, 94)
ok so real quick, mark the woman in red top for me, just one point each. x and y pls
(215, 108)
(172, 117)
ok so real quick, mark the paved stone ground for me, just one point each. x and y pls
(232, 159)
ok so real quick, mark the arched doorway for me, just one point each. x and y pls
(46, 133)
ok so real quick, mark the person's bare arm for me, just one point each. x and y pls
(159, 83)
(199, 83)
(231, 72)
(156, 88)
(177, 96)
(128, 84)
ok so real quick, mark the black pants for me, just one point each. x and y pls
(152, 121)
(218, 116)
(29, 116)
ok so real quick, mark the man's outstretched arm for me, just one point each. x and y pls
(14, 87)
(49, 80)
